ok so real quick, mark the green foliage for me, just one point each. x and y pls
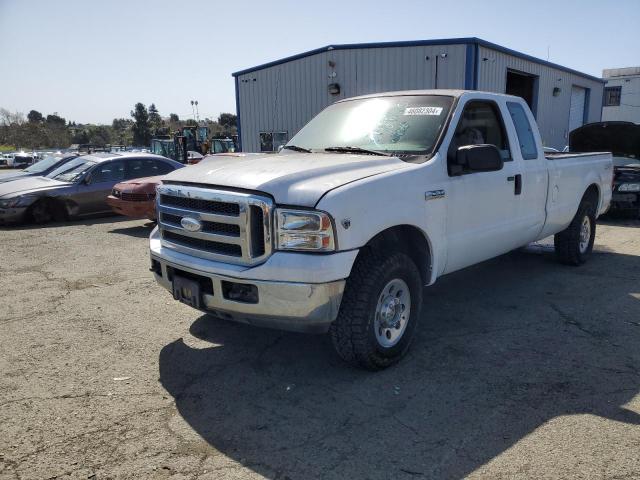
(228, 120)
(35, 117)
(141, 130)
(40, 131)
(56, 120)
(155, 121)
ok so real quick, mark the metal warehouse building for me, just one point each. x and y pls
(275, 100)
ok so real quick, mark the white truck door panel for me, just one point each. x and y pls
(480, 217)
(529, 155)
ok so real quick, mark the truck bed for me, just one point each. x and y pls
(569, 176)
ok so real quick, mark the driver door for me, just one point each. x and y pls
(481, 209)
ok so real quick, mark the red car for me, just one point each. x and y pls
(135, 198)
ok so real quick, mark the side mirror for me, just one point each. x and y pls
(280, 148)
(477, 158)
(87, 179)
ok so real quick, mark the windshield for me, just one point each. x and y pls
(71, 171)
(42, 165)
(395, 125)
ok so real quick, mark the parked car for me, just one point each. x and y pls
(41, 168)
(375, 197)
(194, 157)
(623, 139)
(20, 160)
(76, 189)
(7, 159)
(137, 198)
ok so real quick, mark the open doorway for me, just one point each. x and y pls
(523, 85)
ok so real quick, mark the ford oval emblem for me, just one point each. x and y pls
(191, 224)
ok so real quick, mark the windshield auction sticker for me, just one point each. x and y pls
(423, 111)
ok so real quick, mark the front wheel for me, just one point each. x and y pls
(575, 243)
(41, 212)
(379, 311)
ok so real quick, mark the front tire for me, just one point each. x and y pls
(379, 311)
(575, 243)
(41, 212)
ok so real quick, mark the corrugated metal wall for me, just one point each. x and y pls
(284, 97)
(552, 112)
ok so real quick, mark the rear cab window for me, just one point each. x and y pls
(526, 139)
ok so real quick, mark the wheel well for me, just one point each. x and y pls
(58, 207)
(409, 240)
(593, 195)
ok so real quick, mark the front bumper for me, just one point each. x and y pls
(293, 306)
(625, 201)
(12, 215)
(133, 209)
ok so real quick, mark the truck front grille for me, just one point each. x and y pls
(229, 226)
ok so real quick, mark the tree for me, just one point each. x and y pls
(121, 128)
(35, 116)
(228, 120)
(56, 120)
(141, 132)
(173, 118)
(155, 121)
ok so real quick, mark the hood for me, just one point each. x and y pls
(291, 178)
(140, 185)
(9, 177)
(622, 139)
(142, 181)
(29, 185)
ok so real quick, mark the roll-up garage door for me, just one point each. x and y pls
(576, 114)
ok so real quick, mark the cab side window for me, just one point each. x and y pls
(523, 129)
(481, 123)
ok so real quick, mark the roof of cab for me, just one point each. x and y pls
(439, 92)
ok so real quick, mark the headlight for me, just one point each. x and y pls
(10, 202)
(629, 187)
(305, 230)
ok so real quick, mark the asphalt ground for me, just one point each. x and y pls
(522, 368)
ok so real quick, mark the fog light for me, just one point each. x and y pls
(240, 292)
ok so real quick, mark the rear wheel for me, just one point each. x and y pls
(575, 243)
(379, 311)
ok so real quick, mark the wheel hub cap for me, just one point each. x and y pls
(585, 234)
(392, 312)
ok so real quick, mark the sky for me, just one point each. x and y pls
(91, 61)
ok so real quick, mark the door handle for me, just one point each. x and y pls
(517, 190)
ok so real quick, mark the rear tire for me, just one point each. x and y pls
(575, 243)
(379, 311)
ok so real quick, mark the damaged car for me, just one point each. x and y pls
(79, 188)
(623, 140)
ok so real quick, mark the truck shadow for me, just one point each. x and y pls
(504, 347)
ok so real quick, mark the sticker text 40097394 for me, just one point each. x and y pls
(423, 111)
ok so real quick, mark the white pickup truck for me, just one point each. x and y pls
(374, 198)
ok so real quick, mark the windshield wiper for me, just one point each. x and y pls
(296, 148)
(348, 149)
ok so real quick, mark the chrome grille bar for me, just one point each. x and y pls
(235, 227)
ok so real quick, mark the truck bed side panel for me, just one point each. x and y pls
(569, 177)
